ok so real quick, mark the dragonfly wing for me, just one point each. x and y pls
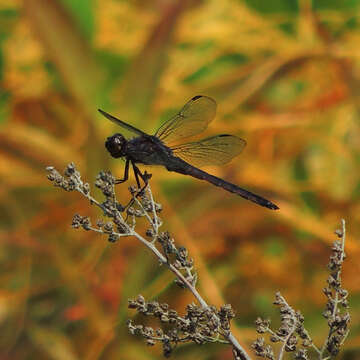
(121, 123)
(215, 150)
(192, 119)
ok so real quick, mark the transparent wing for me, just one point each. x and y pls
(192, 119)
(121, 123)
(216, 150)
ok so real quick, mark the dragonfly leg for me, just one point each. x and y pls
(137, 173)
(144, 177)
(126, 173)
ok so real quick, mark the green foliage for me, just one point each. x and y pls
(337, 5)
(275, 6)
(83, 13)
(214, 69)
(274, 247)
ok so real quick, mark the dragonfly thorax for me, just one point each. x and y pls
(116, 145)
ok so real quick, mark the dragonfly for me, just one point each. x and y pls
(168, 149)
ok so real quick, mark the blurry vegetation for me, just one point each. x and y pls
(286, 77)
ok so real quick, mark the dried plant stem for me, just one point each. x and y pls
(230, 337)
(336, 300)
(143, 205)
(292, 334)
(205, 323)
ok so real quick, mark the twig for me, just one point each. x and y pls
(211, 323)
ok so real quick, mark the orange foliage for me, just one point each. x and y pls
(282, 83)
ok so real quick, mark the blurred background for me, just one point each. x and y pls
(286, 77)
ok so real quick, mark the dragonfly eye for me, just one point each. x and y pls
(115, 145)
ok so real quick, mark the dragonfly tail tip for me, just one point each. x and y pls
(272, 206)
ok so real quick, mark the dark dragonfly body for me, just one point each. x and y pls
(152, 150)
(183, 167)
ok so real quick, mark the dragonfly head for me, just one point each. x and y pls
(115, 145)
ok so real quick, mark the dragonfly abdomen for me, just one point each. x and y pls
(182, 167)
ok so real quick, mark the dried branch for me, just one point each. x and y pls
(292, 331)
(201, 324)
